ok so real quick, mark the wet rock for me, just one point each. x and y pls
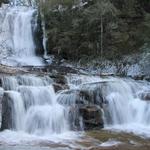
(71, 98)
(7, 111)
(0, 82)
(145, 96)
(94, 92)
(59, 79)
(92, 96)
(147, 78)
(62, 70)
(12, 70)
(92, 117)
(59, 87)
(85, 117)
(85, 95)
(139, 77)
(85, 105)
(60, 82)
(142, 77)
(1, 96)
(82, 109)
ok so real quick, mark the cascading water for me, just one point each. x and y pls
(18, 22)
(30, 105)
(36, 111)
(126, 109)
(23, 2)
(122, 101)
(34, 106)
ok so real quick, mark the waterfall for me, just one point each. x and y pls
(18, 22)
(48, 58)
(44, 37)
(125, 102)
(33, 106)
(30, 106)
(126, 108)
(23, 2)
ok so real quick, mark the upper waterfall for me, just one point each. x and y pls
(18, 23)
(23, 2)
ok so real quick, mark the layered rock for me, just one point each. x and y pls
(145, 96)
(7, 112)
(92, 117)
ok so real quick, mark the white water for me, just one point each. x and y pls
(18, 22)
(37, 113)
(23, 3)
(110, 143)
(36, 110)
(40, 115)
(38, 119)
(124, 109)
(127, 111)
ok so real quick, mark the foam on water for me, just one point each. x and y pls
(9, 137)
(110, 143)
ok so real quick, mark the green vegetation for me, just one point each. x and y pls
(106, 28)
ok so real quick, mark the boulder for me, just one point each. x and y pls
(85, 105)
(92, 117)
(59, 79)
(85, 117)
(94, 93)
(59, 87)
(145, 96)
(147, 78)
(7, 111)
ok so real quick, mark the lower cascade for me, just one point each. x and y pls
(124, 103)
(33, 105)
(30, 105)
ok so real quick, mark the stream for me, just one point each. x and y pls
(63, 111)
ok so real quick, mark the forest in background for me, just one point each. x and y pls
(107, 29)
